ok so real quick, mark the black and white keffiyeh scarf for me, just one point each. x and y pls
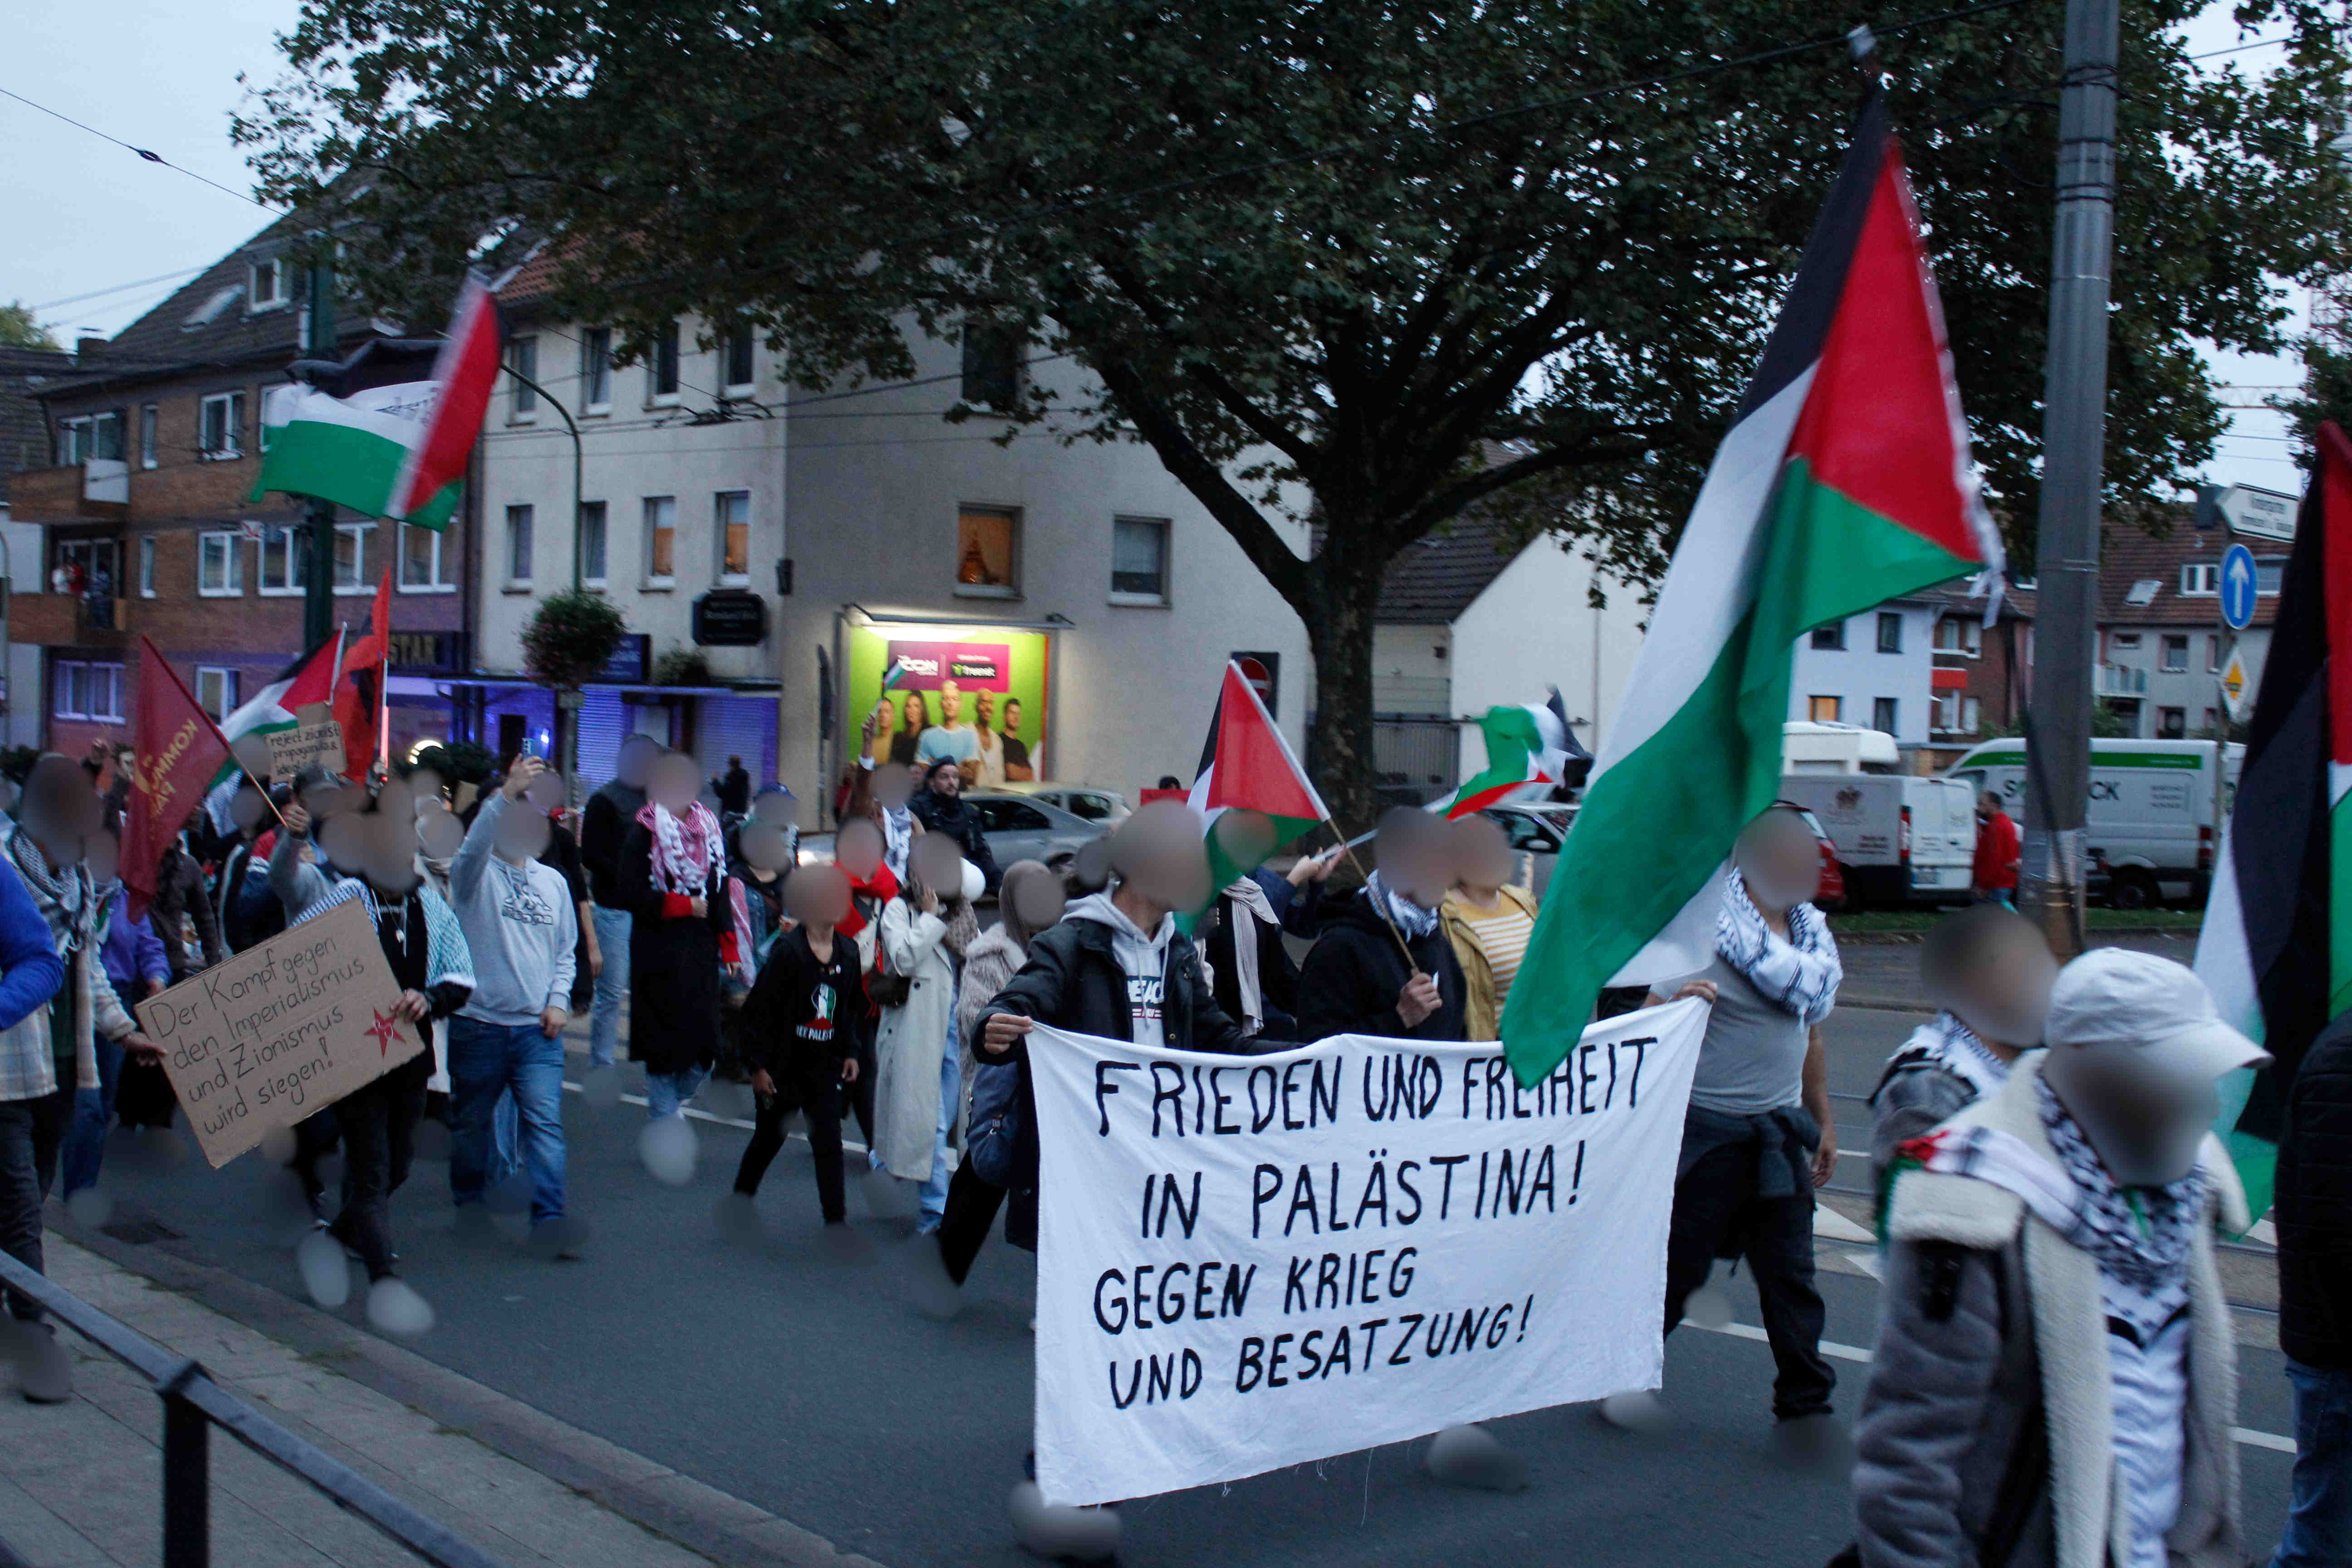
(1946, 1043)
(1408, 917)
(67, 897)
(1800, 971)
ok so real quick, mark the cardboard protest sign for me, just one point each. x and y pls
(281, 1029)
(291, 750)
(1251, 1262)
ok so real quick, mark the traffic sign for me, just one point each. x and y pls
(2238, 583)
(2265, 514)
(2235, 687)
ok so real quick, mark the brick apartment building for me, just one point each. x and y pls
(146, 528)
(1982, 675)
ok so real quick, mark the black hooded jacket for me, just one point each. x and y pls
(950, 816)
(1351, 979)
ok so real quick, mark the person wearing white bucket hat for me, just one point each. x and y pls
(2055, 1377)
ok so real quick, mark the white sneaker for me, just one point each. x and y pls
(1051, 1529)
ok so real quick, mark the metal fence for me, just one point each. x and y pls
(192, 1405)
(1414, 759)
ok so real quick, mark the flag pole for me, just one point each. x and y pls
(1412, 964)
(152, 651)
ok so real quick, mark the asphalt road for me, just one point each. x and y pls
(815, 1389)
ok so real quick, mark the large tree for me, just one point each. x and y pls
(1366, 261)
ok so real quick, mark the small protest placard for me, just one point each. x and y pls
(291, 750)
(281, 1029)
(1250, 1262)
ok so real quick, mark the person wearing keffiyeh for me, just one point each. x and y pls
(1382, 966)
(688, 920)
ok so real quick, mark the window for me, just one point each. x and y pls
(522, 358)
(283, 570)
(1831, 636)
(999, 814)
(592, 543)
(2176, 653)
(87, 437)
(1881, 714)
(2268, 570)
(219, 300)
(518, 521)
(733, 538)
(350, 557)
(1138, 561)
(147, 436)
(1960, 635)
(661, 541)
(737, 367)
(1943, 712)
(265, 286)
(2172, 723)
(217, 689)
(219, 565)
(2200, 580)
(146, 565)
(1972, 714)
(2213, 654)
(221, 426)
(2126, 639)
(2145, 591)
(88, 691)
(420, 562)
(1824, 710)
(988, 541)
(992, 365)
(93, 569)
(662, 372)
(596, 370)
(1890, 631)
(2210, 721)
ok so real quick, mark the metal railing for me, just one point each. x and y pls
(192, 1405)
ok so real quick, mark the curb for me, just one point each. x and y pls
(1912, 938)
(722, 1527)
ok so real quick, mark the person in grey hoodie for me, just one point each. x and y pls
(521, 929)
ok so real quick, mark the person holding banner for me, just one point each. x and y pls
(1384, 964)
(1758, 1138)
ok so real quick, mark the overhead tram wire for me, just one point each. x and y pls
(143, 152)
(118, 289)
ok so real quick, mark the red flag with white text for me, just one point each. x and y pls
(177, 751)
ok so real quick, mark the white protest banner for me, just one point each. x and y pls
(291, 750)
(284, 1027)
(1246, 1262)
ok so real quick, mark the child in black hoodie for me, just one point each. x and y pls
(800, 1036)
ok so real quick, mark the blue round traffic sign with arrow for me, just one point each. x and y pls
(2238, 587)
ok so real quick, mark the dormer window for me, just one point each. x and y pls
(266, 284)
(206, 315)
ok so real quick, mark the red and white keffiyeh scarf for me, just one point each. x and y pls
(684, 848)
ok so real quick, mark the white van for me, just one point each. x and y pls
(2151, 811)
(1901, 838)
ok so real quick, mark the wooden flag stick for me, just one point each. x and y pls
(1412, 964)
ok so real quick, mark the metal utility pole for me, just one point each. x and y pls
(2074, 430)
(319, 536)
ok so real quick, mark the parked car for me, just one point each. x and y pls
(1023, 827)
(1106, 806)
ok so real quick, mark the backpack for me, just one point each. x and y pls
(993, 1129)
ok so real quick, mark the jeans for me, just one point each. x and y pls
(379, 1126)
(493, 1066)
(93, 1110)
(612, 986)
(2319, 1510)
(818, 1095)
(932, 1204)
(1717, 1210)
(31, 1131)
(668, 1092)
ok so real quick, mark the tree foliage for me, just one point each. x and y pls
(19, 329)
(1372, 262)
(573, 635)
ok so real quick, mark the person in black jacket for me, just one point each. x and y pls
(800, 1036)
(939, 806)
(604, 825)
(1357, 980)
(1262, 907)
(2314, 1217)
(683, 927)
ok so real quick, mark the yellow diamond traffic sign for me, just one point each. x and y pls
(2235, 687)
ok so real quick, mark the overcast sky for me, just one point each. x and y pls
(91, 217)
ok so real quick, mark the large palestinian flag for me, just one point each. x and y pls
(307, 682)
(1844, 481)
(1246, 765)
(2276, 947)
(389, 432)
(1529, 751)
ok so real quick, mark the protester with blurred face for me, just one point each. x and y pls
(1488, 919)
(522, 930)
(798, 1037)
(1382, 965)
(1758, 1137)
(604, 825)
(2314, 1216)
(1998, 852)
(35, 1101)
(1251, 969)
(926, 931)
(1989, 971)
(940, 807)
(687, 922)
(2055, 1376)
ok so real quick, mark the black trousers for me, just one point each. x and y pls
(971, 1216)
(1718, 1213)
(819, 1098)
(315, 1138)
(379, 1125)
(31, 1133)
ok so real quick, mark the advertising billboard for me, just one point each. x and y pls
(977, 695)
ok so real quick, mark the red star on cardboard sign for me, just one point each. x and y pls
(385, 1027)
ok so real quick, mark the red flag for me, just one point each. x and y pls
(358, 688)
(178, 750)
(464, 373)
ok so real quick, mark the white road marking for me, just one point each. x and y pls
(848, 1144)
(1828, 1222)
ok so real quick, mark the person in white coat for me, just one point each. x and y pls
(925, 932)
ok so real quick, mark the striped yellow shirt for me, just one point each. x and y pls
(1502, 936)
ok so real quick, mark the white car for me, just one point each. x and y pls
(1105, 807)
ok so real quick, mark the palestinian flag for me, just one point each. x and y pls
(310, 682)
(1843, 481)
(1247, 766)
(388, 431)
(2276, 947)
(1528, 748)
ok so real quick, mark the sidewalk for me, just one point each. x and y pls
(82, 1486)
